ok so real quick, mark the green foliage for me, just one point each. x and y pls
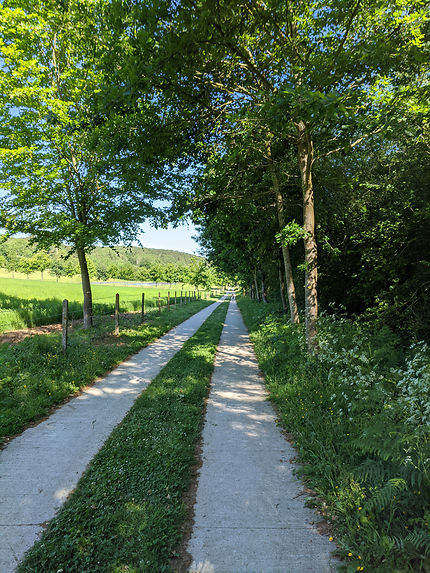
(357, 414)
(36, 375)
(127, 510)
(291, 234)
(125, 263)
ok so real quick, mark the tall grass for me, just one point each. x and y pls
(359, 414)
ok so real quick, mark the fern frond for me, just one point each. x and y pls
(420, 540)
(382, 497)
(371, 472)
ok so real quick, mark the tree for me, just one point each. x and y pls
(319, 73)
(63, 182)
(41, 262)
(201, 274)
(26, 265)
(58, 268)
(12, 263)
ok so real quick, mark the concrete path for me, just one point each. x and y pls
(249, 514)
(42, 466)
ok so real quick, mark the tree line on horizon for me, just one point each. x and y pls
(132, 264)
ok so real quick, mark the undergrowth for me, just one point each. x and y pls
(359, 414)
(36, 375)
(127, 511)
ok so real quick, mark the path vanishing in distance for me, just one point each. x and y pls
(40, 468)
(249, 514)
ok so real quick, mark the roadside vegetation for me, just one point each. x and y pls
(36, 375)
(24, 303)
(359, 417)
(127, 511)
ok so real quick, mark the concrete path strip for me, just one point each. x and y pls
(249, 512)
(40, 468)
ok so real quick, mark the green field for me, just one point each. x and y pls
(25, 303)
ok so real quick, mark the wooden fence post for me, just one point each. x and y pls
(143, 307)
(64, 323)
(116, 314)
(175, 300)
(159, 302)
(168, 300)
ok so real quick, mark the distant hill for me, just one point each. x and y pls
(141, 256)
(134, 263)
(105, 256)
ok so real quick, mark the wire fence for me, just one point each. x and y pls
(50, 311)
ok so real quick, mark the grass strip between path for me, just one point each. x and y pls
(127, 511)
(35, 374)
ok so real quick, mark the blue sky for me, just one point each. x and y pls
(179, 239)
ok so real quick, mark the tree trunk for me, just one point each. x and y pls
(257, 292)
(86, 288)
(291, 289)
(263, 291)
(305, 159)
(282, 288)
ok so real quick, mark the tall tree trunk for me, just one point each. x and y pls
(305, 158)
(263, 290)
(291, 289)
(282, 286)
(86, 288)
(257, 292)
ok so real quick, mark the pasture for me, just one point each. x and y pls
(26, 303)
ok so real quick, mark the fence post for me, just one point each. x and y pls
(116, 314)
(168, 300)
(143, 307)
(159, 302)
(181, 297)
(64, 323)
(175, 300)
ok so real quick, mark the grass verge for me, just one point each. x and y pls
(127, 511)
(35, 375)
(359, 415)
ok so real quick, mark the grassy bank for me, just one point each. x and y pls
(25, 303)
(127, 510)
(359, 415)
(35, 375)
